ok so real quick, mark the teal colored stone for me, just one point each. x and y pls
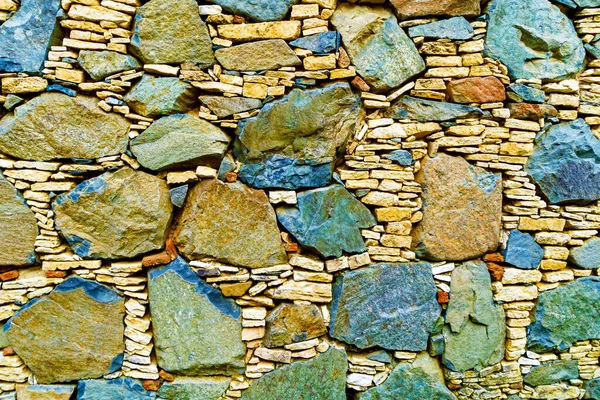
(393, 306)
(322, 378)
(113, 389)
(428, 110)
(154, 97)
(588, 255)
(258, 10)
(381, 356)
(588, 3)
(534, 39)
(328, 221)
(523, 93)
(553, 326)
(592, 389)
(593, 49)
(522, 250)
(191, 388)
(100, 64)
(457, 28)
(197, 331)
(553, 372)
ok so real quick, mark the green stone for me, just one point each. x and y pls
(258, 56)
(191, 388)
(154, 97)
(100, 64)
(290, 323)
(553, 372)
(226, 106)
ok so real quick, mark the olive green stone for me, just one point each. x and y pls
(100, 64)
(289, 323)
(154, 97)
(191, 388)
(258, 56)
(553, 372)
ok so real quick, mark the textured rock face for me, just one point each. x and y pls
(320, 44)
(592, 389)
(226, 106)
(410, 8)
(18, 227)
(285, 173)
(328, 221)
(161, 36)
(97, 217)
(566, 163)
(26, 37)
(427, 110)
(45, 392)
(457, 28)
(588, 255)
(258, 10)
(457, 194)
(258, 56)
(476, 90)
(522, 251)
(520, 93)
(322, 378)
(75, 332)
(290, 323)
(383, 54)
(180, 140)
(531, 111)
(114, 389)
(534, 39)
(188, 388)
(363, 299)
(552, 327)
(212, 211)
(154, 97)
(54, 125)
(197, 331)
(100, 64)
(475, 325)
(553, 372)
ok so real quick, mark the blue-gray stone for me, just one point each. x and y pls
(553, 326)
(178, 195)
(457, 28)
(26, 37)
(381, 356)
(154, 97)
(523, 93)
(320, 44)
(258, 10)
(593, 49)
(534, 39)
(114, 389)
(55, 87)
(429, 110)
(567, 3)
(588, 255)
(592, 389)
(393, 306)
(553, 372)
(522, 251)
(588, 3)
(401, 157)
(566, 163)
(100, 64)
(227, 165)
(328, 221)
(285, 173)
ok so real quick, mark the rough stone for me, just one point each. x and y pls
(523, 93)
(407, 9)
(241, 218)
(401, 157)
(113, 389)
(488, 89)
(428, 110)
(226, 106)
(522, 251)
(588, 255)
(457, 194)
(320, 44)
(457, 28)
(178, 195)
(96, 218)
(290, 323)
(553, 372)
(154, 97)
(54, 125)
(100, 64)
(592, 389)
(45, 392)
(75, 332)
(285, 173)
(366, 313)
(190, 388)
(384, 56)
(258, 10)
(531, 111)
(258, 56)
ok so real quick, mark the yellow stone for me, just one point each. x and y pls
(287, 30)
(30, 84)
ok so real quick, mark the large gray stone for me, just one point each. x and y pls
(258, 56)
(258, 10)
(100, 64)
(154, 97)
(588, 255)
(113, 389)
(428, 110)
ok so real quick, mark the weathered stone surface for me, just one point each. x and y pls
(328, 220)
(474, 330)
(285, 173)
(320, 44)
(54, 125)
(45, 392)
(426, 8)
(189, 388)
(290, 323)
(322, 378)
(18, 226)
(154, 97)
(258, 56)
(566, 163)
(258, 10)
(488, 89)
(383, 54)
(553, 328)
(553, 372)
(457, 194)
(588, 255)
(27, 36)
(114, 389)
(75, 332)
(428, 110)
(180, 140)
(592, 389)
(522, 251)
(393, 306)
(162, 36)
(97, 217)
(401, 157)
(522, 93)
(241, 218)
(100, 64)
(457, 28)
(225, 106)
(197, 331)
(541, 44)
(531, 111)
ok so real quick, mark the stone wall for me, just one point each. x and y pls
(288, 199)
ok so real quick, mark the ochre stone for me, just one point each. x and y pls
(426, 8)
(476, 90)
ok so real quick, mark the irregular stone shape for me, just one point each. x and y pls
(27, 36)
(161, 36)
(75, 332)
(523, 93)
(369, 308)
(553, 372)
(310, 127)
(18, 226)
(226, 106)
(190, 388)
(45, 392)
(322, 378)
(258, 56)
(588, 255)
(531, 111)
(488, 89)
(587, 3)
(427, 110)
(178, 195)
(290, 323)
(100, 64)
(197, 331)
(178, 141)
(566, 163)
(552, 327)
(258, 10)
(285, 173)
(154, 97)
(475, 325)
(522, 251)
(457, 28)
(592, 389)
(408, 383)
(401, 157)
(53, 126)
(541, 44)
(320, 44)
(407, 9)
(241, 218)
(113, 389)
(384, 56)
(97, 217)
(457, 194)
(328, 221)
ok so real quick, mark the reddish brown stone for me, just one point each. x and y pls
(56, 274)
(8, 351)
(291, 247)
(343, 60)
(360, 84)
(171, 249)
(531, 111)
(476, 90)
(493, 257)
(238, 19)
(231, 177)
(162, 258)
(453, 386)
(426, 8)
(443, 297)
(151, 386)
(166, 376)
(9, 276)
(496, 271)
